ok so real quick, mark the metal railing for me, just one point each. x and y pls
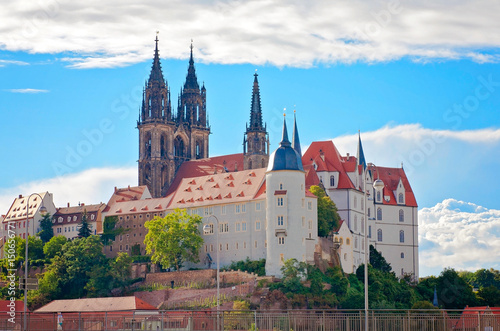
(270, 320)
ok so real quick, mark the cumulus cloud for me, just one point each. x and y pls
(284, 33)
(28, 90)
(89, 186)
(458, 234)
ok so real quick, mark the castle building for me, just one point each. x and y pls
(167, 139)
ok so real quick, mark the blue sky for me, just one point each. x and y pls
(421, 82)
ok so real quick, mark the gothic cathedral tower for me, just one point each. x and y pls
(256, 140)
(165, 139)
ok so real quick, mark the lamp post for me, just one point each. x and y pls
(377, 185)
(206, 230)
(43, 210)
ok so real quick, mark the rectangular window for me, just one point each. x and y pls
(220, 247)
(237, 246)
(280, 201)
(243, 226)
(244, 208)
(281, 240)
(210, 229)
(257, 226)
(237, 209)
(282, 259)
(223, 210)
(257, 206)
(206, 248)
(245, 244)
(238, 227)
(309, 205)
(224, 227)
(310, 225)
(211, 247)
(280, 220)
(255, 243)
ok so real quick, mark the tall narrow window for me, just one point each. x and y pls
(332, 180)
(378, 195)
(379, 214)
(379, 235)
(401, 215)
(401, 198)
(401, 236)
(280, 220)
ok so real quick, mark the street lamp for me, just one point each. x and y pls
(43, 211)
(377, 185)
(206, 230)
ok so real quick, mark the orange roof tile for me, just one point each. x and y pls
(391, 177)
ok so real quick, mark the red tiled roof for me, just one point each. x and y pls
(19, 304)
(208, 166)
(127, 194)
(327, 158)
(96, 305)
(469, 319)
(391, 177)
(230, 188)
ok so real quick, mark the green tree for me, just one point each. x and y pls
(489, 296)
(328, 217)
(84, 229)
(378, 261)
(110, 231)
(174, 239)
(35, 249)
(121, 269)
(293, 273)
(54, 246)
(46, 228)
(454, 292)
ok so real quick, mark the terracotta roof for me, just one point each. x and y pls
(17, 210)
(391, 177)
(80, 209)
(208, 166)
(96, 305)
(468, 320)
(128, 194)
(137, 206)
(218, 188)
(327, 158)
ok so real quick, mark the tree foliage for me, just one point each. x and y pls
(46, 232)
(54, 246)
(328, 217)
(109, 229)
(258, 267)
(174, 239)
(84, 229)
(378, 261)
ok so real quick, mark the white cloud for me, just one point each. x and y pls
(460, 235)
(28, 90)
(90, 186)
(284, 33)
(3, 63)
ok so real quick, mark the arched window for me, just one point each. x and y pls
(401, 236)
(148, 145)
(401, 198)
(198, 150)
(347, 241)
(379, 235)
(402, 255)
(401, 215)
(249, 164)
(378, 195)
(179, 147)
(379, 214)
(341, 240)
(263, 163)
(332, 180)
(163, 146)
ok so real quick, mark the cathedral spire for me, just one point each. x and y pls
(156, 72)
(256, 110)
(295, 137)
(191, 80)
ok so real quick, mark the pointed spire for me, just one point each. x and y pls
(435, 302)
(284, 138)
(256, 109)
(191, 80)
(295, 136)
(361, 155)
(156, 72)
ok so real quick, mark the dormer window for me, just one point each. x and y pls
(401, 198)
(332, 180)
(378, 196)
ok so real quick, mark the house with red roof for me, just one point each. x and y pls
(67, 220)
(390, 213)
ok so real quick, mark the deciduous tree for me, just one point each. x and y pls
(174, 239)
(328, 217)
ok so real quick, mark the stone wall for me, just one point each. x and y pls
(206, 276)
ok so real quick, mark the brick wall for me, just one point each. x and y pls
(198, 276)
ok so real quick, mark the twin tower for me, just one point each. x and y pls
(167, 139)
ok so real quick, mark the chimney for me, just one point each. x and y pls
(20, 196)
(68, 204)
(348, 156)
(129, 187)
(83, 204)
(116, 190)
